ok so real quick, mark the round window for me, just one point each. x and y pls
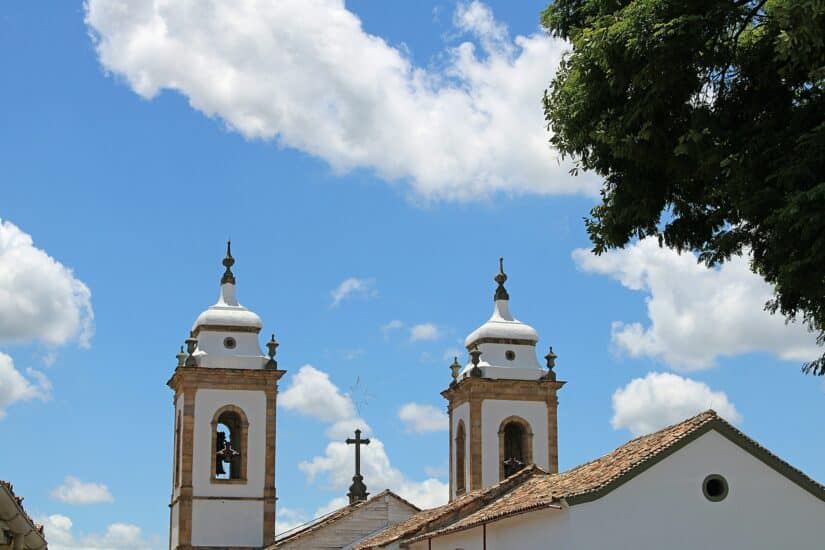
(715, 488)
(510, 355)
(229, 343)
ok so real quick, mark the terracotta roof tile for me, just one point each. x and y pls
(436, 518)
(591, 480)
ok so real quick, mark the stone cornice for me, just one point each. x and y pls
(500, 388)
(217, 378)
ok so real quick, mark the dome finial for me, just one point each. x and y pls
(501, 278)
(228, 262)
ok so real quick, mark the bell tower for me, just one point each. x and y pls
(223, 480)
(501, 403)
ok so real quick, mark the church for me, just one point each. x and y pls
(698, 484)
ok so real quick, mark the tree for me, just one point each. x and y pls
(706, 120)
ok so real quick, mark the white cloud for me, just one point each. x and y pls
(464, 126)
(661, 399)
(351, 288)
(289, 518)
(337, 466)
(423, 418)
(451, 354)
(40, 298)
(331, 506)
(395, 324)
(118, 536)
(696, 314)
(424, 331)
(14, 386)
(74, 491)
(312, 393)
(436, 471)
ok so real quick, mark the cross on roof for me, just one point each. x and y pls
(357, 491)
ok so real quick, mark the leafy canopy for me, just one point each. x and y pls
(706, 120)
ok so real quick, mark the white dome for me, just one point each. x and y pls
(227, 312)
(502, 326)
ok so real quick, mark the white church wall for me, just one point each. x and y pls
(207, 402)
(227, 523)
(665, 507)
(763, 509)
(245, 355)
(461, 413)
(493, 412)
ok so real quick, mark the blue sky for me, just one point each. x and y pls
(404, 154)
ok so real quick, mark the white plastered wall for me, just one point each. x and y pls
(461, 413)
(664, 507)
(493, 413)
(253, 404)
(229, 522)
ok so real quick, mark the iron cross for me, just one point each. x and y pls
(358, 442)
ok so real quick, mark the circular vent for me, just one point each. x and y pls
(715, 488)
(229, 343)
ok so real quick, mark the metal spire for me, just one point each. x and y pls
(228, 262)
(501, 278)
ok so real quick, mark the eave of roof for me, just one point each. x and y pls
(16, 503)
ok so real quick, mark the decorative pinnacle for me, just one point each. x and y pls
(454, 368)
(191, 345)
(551, 359)
(475, 355)
(501, 278)
(228, 262)
(181, 356)
(272, 346)
(551, 362)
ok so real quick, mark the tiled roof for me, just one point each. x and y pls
(598, 477)
(437, 518)
(318, 523)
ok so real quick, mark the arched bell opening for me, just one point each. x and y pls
(229, 444)
(515, 445)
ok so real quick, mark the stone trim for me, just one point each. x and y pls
(475, 445)
(526, 442)
(225, 379)
(453, 492)
(244, 445)
(269, 471)
(224, 328)
(508, 341)
(176, 450)
(474, 391)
